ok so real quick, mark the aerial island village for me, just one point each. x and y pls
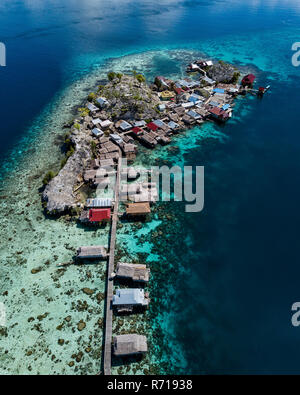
(110, 126)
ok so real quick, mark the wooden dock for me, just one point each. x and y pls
(110, 269)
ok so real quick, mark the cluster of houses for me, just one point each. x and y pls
(125, 300)
(137, 195)
(184, 103)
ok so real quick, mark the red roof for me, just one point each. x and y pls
(152, 126)
(178, 90)
(136, 130)
(99, 214)
(248, 79)
(215, 111)
(218, 112)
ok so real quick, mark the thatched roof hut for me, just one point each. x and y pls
(91, 252)
(137, 209)
(132, 271)
(129, 344)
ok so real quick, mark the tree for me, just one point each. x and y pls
(111, 75)
(92, 96)
(140, 78)
(94, 149)
(235, 77)
(48, 177)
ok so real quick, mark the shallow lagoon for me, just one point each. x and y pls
(233, 266)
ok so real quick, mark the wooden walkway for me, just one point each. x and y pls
(110, 269)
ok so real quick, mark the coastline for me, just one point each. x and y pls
(29, 180)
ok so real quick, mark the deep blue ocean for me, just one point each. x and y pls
(233, 303)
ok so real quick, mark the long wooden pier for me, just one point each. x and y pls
(110, 269)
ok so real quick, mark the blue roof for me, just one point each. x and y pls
(218, 90)
(226, 106)
(182, 83)
(129, 296)
(214, 103)
(125, 125)
(193, 114)
(97, 132)
(194, 98)
(158, 123)
(102, 100)
(173, 125)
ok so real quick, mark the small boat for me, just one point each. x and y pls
(261, 91)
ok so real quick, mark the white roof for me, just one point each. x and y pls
(105, 124)
(188, 105)
(139, 123)
(96, 121)
(208, 80)
(129, 296)
(92, 107)
(99, 202)
(118, 139)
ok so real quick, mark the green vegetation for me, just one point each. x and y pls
(48, 177)
(235, 77)
(139, 77)
(222, 62)
(77, 126)
(70, 152)
(124, 109)
(83, 111)
(92, 96)
(111, 75)
(68, 148)
(204, 93)
(63, 162)
(94, 149)
(67, 138)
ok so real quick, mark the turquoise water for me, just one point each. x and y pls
(223, 280)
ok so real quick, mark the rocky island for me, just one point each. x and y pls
(127, 110)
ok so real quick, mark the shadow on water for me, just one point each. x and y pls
(126, 360)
